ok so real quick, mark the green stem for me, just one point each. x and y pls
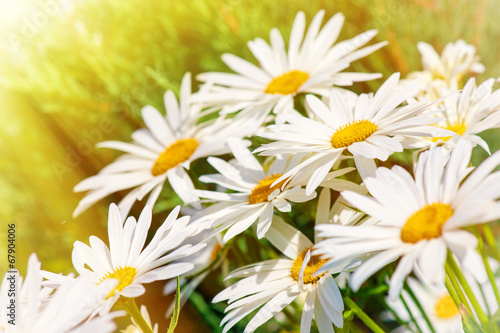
(452, 291)
(133, 311)
(419, 306)
(455, 289)
(484, 255)
(361, 315)
(396, 316)
(409, 313)
(468, 291)
(490, 240)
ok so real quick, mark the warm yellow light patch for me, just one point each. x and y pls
(263, 189)
(356, 131)
(178, 152)
(445, 307)
(426, 223)
(124, 275)
(457, 128)
(313, 265)
(288, 83)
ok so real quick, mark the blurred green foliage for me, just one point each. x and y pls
(94, 56)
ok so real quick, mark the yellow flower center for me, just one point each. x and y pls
(288, 83)
(315, 263)
(124, 275)
(426, 223)
(178, 152)
(438, 76)
(445, 307)
(457, 128)
(263, 189)
(356, 131)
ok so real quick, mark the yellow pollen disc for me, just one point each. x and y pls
(315, 263)
(426, 223)
(263, 189)
(356, 131)
(288, 83)
(445, 307)
(124, 275)
(178, 152)
(457, 128)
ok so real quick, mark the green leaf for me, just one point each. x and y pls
(494, 323)
(177, 308)
(469, 323)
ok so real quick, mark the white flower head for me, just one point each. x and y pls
(445, 71)
(366, 129)
(420, 218)
(457, 60)
(472, 111)
(127, 260)
(312, 64)
(66, 310)
(254, 194)
(162, 151)
(437, 304)
(273, 284)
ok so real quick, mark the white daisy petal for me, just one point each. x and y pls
(245, 68)
(264, 221)
(404, 268)
(270, 309)
(374, 264)
(286, 238)
(323, 321)
(242, 224)
(330, 293)
(157, 124)
(431, 260)
(307, 312)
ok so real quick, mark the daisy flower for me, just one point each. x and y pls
(273, 284)
(253, 196)
(457, 60)
(472, 111)
(66, 310)
(365, 129)
(161, 152)
(312, 65)
(127, 261)
(437, 304)
(420, 218)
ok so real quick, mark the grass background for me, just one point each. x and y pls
(77, 72)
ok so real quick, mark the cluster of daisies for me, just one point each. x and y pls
(288, 131)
